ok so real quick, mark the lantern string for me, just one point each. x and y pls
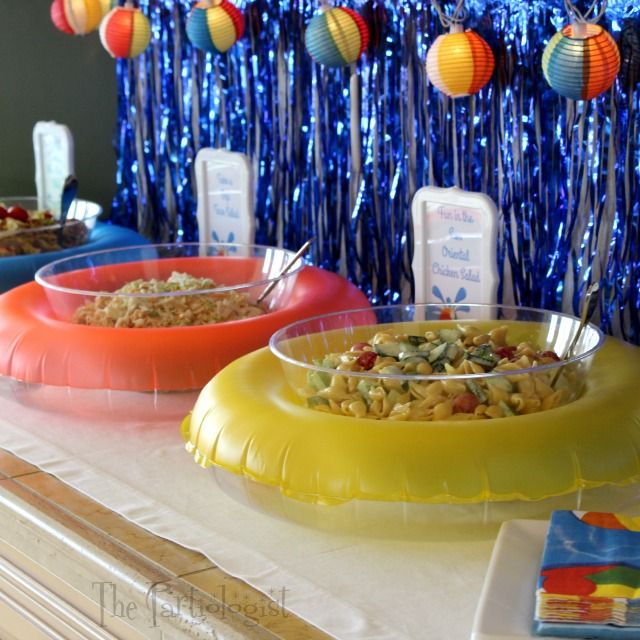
(572, 10)
(457, 17)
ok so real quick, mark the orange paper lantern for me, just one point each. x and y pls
(459, 63)
(125, 32)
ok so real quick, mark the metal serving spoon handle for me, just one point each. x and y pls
(69, 192)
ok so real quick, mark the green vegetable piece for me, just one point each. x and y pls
(477, 391)
(485, 362)
(407, 347)
(318, 380)
(413, 355)
(364, 387)
(450, 335)
(416, 341)
(453, 352)
(315, 401)
(388, 349)
(438, 352)
(413, 358)
(506, 409)
(500, 382)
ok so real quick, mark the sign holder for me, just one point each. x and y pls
(224, 184)
(54, 159)
(455, 239)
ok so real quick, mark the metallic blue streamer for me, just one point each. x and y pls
(565, 175)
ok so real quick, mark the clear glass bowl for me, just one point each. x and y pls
(465, 368)
(86, 288)
(81, 219)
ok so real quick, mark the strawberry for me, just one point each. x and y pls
(18, 213)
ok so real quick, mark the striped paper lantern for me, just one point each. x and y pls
(125, 32)
(215, 26)
(107, 5)
(581, 61)
(76, 17)
(459, 63)
(336, 37)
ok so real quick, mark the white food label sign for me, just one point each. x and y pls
(454, 258)
(53, 150)
(225, 197)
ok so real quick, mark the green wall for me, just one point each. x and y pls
(48, 75)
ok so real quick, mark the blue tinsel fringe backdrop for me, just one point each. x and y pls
(565, 175)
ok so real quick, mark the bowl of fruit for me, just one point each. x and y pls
(28, 229)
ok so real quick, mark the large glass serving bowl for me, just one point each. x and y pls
(405, 363)
(81, 219)
(112, 288)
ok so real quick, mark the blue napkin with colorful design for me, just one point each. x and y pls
(589, 583)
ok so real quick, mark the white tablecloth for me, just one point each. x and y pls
(350, 586)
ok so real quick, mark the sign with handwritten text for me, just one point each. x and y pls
(454, 258)
(224, 187)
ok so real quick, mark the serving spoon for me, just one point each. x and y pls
(69, 192)
(299, 253)
(588, 307)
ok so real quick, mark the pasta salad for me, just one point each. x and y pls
(447, 353)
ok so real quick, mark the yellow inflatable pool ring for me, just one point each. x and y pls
(249, 422)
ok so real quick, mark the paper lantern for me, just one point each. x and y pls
(336, 37)
(581, 61)
(107, 5)
(215, 25)
(125, 32)
(459, 63)
(76, 17)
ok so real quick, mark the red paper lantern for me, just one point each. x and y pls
(125, 32)
(76, 17)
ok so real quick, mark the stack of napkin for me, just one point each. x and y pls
(589, 584)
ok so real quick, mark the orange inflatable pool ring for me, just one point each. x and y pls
(37, 347)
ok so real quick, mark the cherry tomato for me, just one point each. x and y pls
(506, 352)
(367, 359)
(465, 403)
(3, 213)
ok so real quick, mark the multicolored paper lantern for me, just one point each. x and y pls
(459, 63)
(581, 61)
(336, 37)
(125, 32)
(215, 25)
(77, 17)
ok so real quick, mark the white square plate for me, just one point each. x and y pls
(506, 605)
